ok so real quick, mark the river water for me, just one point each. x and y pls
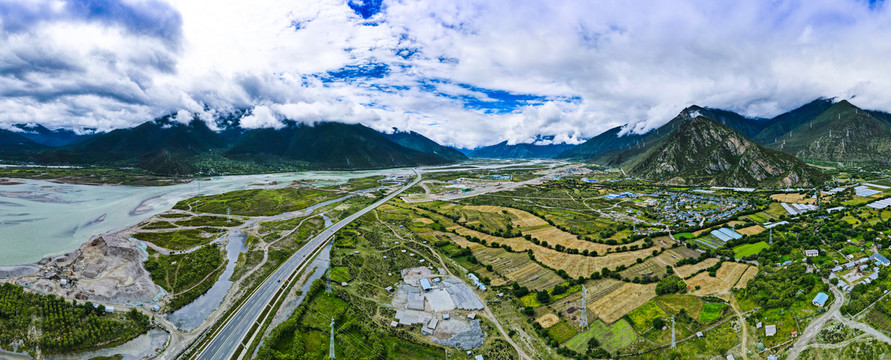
(40, 218)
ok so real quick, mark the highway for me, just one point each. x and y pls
(232, 334)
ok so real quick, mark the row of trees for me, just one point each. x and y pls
(64, 326)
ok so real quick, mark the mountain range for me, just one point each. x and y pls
(168, 147)
(821, 130)
(754, 151)
(541, 148)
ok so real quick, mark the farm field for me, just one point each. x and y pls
(794, 198)
(574, 265)
(611, 337)
(711, 312)
(642, 317)
(561, 332)
(516, 267)
(750, 273)
(726, 277)
(751, 230)
(675, 303)
(745, 250)
(623, 300)
(656, 266)
(687, 270)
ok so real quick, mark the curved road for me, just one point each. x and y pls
(233, 332)
(811, 331)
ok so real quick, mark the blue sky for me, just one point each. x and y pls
(463, 72)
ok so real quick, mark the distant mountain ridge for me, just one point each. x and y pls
(541, 148)
(416, 141)
(803, 132)
(171, 147)
(44, 136)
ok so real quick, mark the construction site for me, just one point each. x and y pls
(441, 305)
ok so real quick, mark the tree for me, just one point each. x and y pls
(658, 323)
(671, 284)
(543, 297)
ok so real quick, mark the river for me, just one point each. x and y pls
(40, 218)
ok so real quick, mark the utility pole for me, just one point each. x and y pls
(673, 343)
(584, 322)
(331, 350)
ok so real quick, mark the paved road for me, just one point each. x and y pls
(224, 345)
(812, 329)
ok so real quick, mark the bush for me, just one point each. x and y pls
(670, 285)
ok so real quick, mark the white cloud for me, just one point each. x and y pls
(261, 117)
(589, 66)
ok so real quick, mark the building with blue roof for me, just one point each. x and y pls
(820, 299)
(879, 258)
(425, 284)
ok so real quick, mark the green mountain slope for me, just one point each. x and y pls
(841, 133)
(702, 151)
(11, 141)
(331, 146)
(610, 148)
(783, 123)
(415, 141)
(503, 150)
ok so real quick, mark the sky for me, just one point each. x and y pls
(462, 72)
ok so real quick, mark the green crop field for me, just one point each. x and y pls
(642, 317)
(685, 235)
(749, 249)
(561, 332)
(711, 312)
(612, 338)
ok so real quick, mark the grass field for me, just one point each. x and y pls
(749, 249)
(675, 303)
(339, 274)
(180, 239)
(561, 332)
(220, 221)
(257, 202)
(186, 276)
(612, 338)
(642, 317)
(711, 312)
(714, 345)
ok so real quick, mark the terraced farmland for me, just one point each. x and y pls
(574, 265)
